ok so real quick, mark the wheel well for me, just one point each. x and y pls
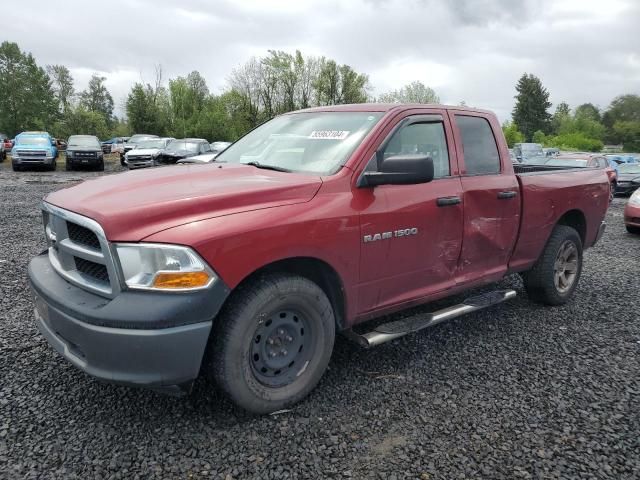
(576, 220)
(319, 272)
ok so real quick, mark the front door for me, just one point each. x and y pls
(411, 234)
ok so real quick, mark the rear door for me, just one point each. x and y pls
(491, 198)
(411, 238)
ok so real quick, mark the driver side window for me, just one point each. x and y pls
(421, 139)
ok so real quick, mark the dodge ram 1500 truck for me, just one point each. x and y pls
(244, 269)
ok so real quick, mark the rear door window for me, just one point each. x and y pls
(479, 146)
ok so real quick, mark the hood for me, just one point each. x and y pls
(204, 158)
(133, 205)
(179, 153)
(143, 151)
(19, 146)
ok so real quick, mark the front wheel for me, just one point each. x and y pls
(555, 275)
(633, 230)
(272, 342)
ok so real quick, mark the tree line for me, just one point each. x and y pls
(33, 97)
(585, 128)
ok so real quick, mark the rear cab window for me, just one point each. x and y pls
(480, 150)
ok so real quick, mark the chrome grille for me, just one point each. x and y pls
(79, 251)
(32, 153)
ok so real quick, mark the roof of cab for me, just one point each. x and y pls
(388, 107)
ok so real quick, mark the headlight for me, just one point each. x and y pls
(635, 199)
(163, 267)
(14, 155)
(70, 153)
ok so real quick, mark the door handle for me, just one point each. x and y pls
(447, 201)
(506, 195)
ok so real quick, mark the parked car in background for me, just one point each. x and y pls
(632, 213)
(8, 144)
(183, 148)
(61, 145)
(621, 158)
(219, 147)
(107, 145)
(118, 145)
(628, 178)
(133, 143)
(146, 152)
(34, 149)
(313, 223)
(3, 152)
(550, 152)
(84, 151)
(526, 150)
(586, 160)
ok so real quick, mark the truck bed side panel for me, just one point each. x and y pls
(546, 197)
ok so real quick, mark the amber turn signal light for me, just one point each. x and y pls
(178, 280)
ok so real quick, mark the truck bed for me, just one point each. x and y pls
(548, 194)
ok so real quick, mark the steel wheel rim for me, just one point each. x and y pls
(281, 347)
(565, 269)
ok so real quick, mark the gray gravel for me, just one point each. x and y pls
(518, 391)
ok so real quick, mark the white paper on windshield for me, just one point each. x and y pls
(329, 134)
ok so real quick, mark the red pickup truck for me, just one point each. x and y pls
(246, 268)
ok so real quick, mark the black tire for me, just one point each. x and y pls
(542, 282)
(67, 166)
(16, 168)
(122, 163)
(612, 191)
(100, 166)
(249, 330)
(633, 230)
(53, 166)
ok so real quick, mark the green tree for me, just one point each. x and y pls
(588, 111)
(562, 113)
(511, 134)
(629, 134)
(532, 103)
(62, 82)
(414, 92)
(539, 137)
(96, 98)
(80, 121)
(27, 100)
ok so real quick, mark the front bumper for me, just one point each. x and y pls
(146, 339)
(24, 161)
(632, 215)
(132, 163)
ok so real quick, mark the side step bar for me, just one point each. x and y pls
(399, 328)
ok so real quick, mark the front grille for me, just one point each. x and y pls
(83, 235)
(85, 154)
(79, 251)
(92, 269)
(139, 158)
(32, 153)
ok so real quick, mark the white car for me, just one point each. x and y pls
(204, 158)
(145, 153)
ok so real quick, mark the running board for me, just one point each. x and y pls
(392, 330)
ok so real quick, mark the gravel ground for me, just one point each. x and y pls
(517, 391)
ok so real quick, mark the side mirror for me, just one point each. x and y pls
(400, 170)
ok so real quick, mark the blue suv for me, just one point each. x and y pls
(34, 149)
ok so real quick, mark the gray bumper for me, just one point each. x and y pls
(134, 339)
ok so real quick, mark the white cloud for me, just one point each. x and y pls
(472, 50)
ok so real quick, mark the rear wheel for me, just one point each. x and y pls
(632, 229)
(272, 342)
(555, 275)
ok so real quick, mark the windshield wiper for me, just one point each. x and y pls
(268, 167)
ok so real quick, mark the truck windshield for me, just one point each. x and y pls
(33, 141)
(151, 144)
(629, 168)
(83, 142)
(314, 142)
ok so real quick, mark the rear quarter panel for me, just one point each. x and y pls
(546, 197)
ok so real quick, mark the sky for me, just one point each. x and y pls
(466, 50)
